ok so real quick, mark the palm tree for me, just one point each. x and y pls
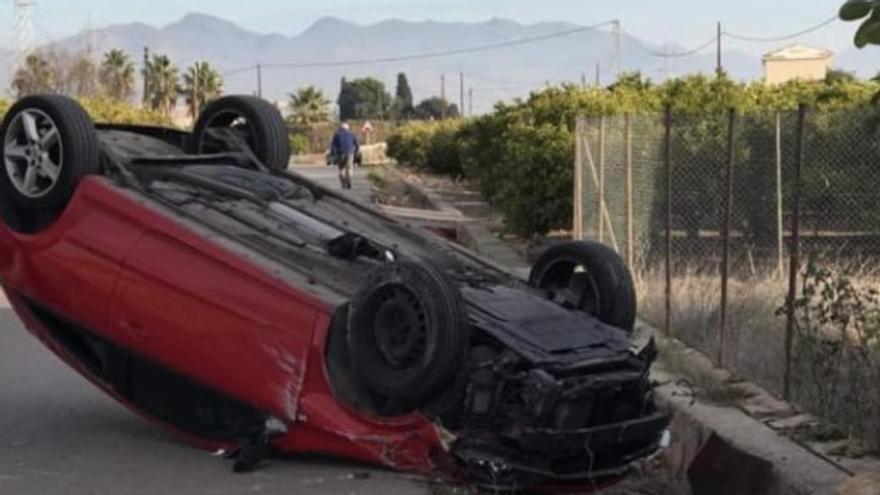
(201, 83)
(116, 75)
(307, 106)
(37, 75)
(162, 84)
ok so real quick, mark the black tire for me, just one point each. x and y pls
(590, 277)
(408, 334)
(262, 128)
(73, 155)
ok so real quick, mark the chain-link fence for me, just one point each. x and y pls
(706, 209)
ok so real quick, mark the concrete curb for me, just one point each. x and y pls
(736, 452)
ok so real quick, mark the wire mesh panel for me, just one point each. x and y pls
(836, 352)
(621, 169)
(624, 204)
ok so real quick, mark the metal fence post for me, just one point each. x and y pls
(780, 234)
(794, 253)
(667, 160)
(577, 224)
(725, 235)
(600, 186)
(630, 237)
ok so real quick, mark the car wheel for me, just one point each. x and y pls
(245, 119)
(589, 277)
(49, 145)
(408, 334)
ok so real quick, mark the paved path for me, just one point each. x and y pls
(329, 177)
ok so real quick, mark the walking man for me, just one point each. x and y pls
(343, 149)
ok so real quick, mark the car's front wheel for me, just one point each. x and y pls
(589, 277)
(49, 145)
(408, 334)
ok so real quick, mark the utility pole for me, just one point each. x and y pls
(195, 91)
(442, 96)
(22, 33)
(583, 79)
(259, 80)
(719, 69)
(617, 35)
(461, 93)
(598, 74)
(146, 74)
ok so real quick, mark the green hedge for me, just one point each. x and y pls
(521, 155)
(108, 110)
(430, 146)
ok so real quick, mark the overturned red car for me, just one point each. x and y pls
(197, 281)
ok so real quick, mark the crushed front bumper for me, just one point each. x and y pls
(589, 457)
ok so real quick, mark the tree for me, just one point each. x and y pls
(201, 83)
(162, 84)
(835, 76)
(403, 99)
(116, 75)
(435, 108)
(868, 32)
(307, 106)
(38, 75)
(363, 99)
(631, 80)
(79, 75)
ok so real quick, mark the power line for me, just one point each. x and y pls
(425, 55)
(759, 39)
(686, 53)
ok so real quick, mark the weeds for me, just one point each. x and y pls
(836, 354)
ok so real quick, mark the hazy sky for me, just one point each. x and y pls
(685, 22)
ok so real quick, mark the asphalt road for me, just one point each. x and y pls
(329, 177)
(59, 435)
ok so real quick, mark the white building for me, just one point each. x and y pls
(796, 61)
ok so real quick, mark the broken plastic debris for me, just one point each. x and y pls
(665, 439)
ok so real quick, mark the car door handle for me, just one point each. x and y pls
(134, 330)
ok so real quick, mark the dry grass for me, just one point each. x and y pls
(829, 379)
(755, 333)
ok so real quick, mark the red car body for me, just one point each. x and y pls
(103, 249)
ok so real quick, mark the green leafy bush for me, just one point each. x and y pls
(299, 143)
(521, 154)
(108, 110)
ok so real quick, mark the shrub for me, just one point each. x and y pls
(535, 174)
(409, 144)
(501, 152)
(108, 110)
(299, 143)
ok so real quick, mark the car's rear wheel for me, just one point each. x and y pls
(590, 277)
(408, 334)
(230, 122)
(49, 145)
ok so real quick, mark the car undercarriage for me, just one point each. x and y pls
(523, 382)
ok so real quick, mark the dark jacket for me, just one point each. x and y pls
(344, 143)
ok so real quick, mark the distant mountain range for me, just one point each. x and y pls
(493, 75)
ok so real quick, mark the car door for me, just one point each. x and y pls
(195, 309)
(72, 267)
